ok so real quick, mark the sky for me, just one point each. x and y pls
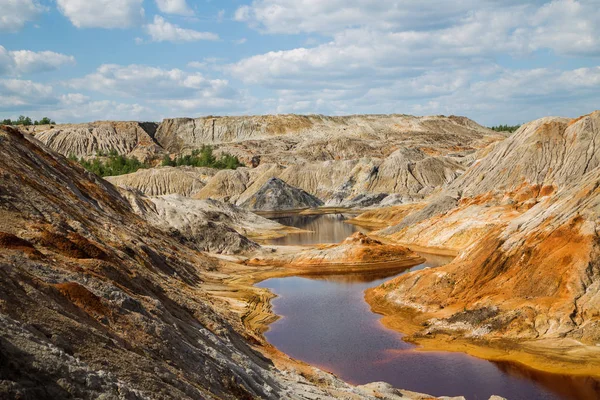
(495, 61)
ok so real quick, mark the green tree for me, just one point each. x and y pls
(167, 162)
(505, 128)
(204, 157)
(45, 121)
(23, 120)
(112, 165)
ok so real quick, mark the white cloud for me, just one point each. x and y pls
(178, 7)
(27, 61)
(565, 26)
(171, 89)
(240, 41)
(144, 81)
(295, 16)
(21, 62)
(568, 27)
(417, 56)
(15, 14)
(16, 94)
(86, 111)
(108, 14)
(71, 99)
(162, 31)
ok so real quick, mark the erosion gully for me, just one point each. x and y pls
(326, 322)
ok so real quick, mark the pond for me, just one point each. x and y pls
(326, 322)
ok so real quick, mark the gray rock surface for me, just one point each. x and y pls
(276, 195)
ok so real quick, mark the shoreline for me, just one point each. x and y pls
(560, 356)
(565, 357)
(551, 356)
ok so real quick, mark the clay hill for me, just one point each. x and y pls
(97, 302)
(357, 253)
(352, 161)
(276, 195)
(524, 222)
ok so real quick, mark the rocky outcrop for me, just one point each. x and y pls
(186, 181)
(336, 159)
(276, 195)
(206, 225)
(525, 220)
(134, 139)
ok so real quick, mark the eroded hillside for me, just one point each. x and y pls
(97, 302)
(356, 161)
(524, 220)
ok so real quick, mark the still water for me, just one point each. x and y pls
(326, 322)
(328, 228)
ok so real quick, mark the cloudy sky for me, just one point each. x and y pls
(496, 61)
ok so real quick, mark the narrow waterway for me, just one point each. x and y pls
(326, 322)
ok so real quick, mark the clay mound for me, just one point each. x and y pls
(88, 140)
(104, 290)
(226, 185)
(276, 195)
(186, 181)
(335, 159)
(358, 249)
(356, 253)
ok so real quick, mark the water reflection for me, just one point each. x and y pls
(567, 387)
(327, 323)
(328, 228)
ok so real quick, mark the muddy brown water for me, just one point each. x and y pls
(326, 322)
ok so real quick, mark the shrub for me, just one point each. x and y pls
(505, 128)
(111, 165)
(204, 157)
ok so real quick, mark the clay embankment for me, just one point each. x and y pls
(525, 285)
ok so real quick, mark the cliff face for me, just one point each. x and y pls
(524, 220)
(84, 140)
(89, 290)
(184, 133)
(334, 158)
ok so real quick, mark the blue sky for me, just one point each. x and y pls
(494, 61)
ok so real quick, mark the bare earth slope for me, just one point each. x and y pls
(186, 181)
(85, 140)
(97, 303)
(525, 221)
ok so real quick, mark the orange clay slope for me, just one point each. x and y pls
(525, 220)
(358, 253)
